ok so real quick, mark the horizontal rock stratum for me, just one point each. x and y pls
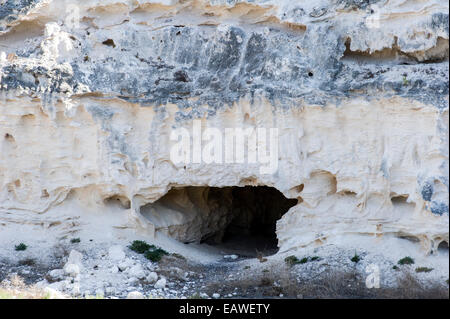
(91, 91)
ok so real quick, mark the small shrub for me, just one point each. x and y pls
(423, 269)
(247, 267)
(356, 258)
(156, 254)
(406, 261)
(21, 247)
(140, 246)
(405, 81)
(75, 240)
(304, 260)
(395, 267)
(314, 258)
(291, 260)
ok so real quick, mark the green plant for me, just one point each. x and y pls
(75, 240)
(21, 247)
(247, 267)
(140, 246)
(155, 254)
(195, 296)
(406, 261)
(423, 269)
(291, 260)
(356, 258)
(304, 260)
(314, 258)
(395, 267)
(405, 81)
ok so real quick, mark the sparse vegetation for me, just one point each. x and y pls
(405, 81)
(21, 247)
(406, 261)
(304, 260)
(356, 258)
(332, 284)
(140, 246)
(195, 296)
(15, 288)
(75, 240)
(155, 254)
(395, 267)
(423, 269)
(151, 252)
(291, 260)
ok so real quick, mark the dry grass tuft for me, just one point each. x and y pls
(15, 288)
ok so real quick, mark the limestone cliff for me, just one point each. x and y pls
(358, 89)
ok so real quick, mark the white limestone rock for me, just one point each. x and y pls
(161, 283)
(116, 253)
(136, 271)
(135, 295)
(357, 91)
(56, 274)
(152, 277)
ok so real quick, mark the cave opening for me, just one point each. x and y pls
(235, 220)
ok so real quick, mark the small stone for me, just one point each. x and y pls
(136, 271)
(100, 293)
(41, 284)
(125, 264)
(58, 286)
(152, 277)
(114, 269)
(216, 295)
(76, 290)
(110, 290)
(116, 253)
(53, 293)
(135, 295)
(72, 270)
(161, 284)
(56, 274)
(75, 258)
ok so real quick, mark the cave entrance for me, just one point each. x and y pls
(236, 220)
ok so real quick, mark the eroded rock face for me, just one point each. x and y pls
(91, 91)
(195, 214)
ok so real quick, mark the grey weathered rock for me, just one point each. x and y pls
(90, 96)
(161, 283)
